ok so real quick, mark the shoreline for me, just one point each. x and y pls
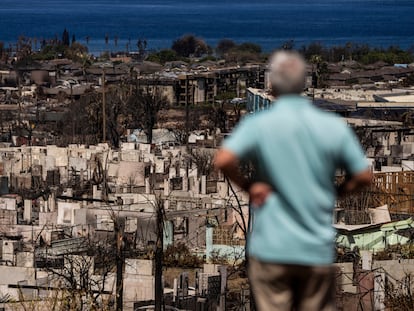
(98, 47)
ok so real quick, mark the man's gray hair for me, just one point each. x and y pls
(287, 70)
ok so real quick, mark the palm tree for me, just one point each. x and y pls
(106, 41)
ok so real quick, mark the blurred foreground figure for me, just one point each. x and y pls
(295, 150)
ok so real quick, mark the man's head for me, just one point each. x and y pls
(287, 71)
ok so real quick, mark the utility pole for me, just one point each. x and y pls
(73, 121)
(103, 107)
(120, 261)
(187, 114)
(159, 290)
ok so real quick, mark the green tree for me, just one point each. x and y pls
(250, 47)
(243, 53)
(163, 56)
(76, 52)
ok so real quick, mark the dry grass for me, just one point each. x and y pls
(171, 273)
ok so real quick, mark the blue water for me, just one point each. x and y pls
(266, 22)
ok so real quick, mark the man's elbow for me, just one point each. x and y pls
(364, 179)
(224, 159)
(357, 182)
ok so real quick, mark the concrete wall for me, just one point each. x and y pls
(369, 287)
(14, 275)
(397, 269)
(131, 173)
(65, 215)
(138, 282)
(8, 204)
(60, 155)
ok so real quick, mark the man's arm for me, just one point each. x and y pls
(355, 182)
(353, 160)
(229, 164)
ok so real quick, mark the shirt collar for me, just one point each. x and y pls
(292, 101)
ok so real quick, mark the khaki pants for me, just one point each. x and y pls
(280, 287)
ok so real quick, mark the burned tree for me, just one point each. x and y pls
(203, 160)
(86, 116)
(143, 108)
(80, 275)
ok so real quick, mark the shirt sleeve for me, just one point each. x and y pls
(352, 156)
(242, 141)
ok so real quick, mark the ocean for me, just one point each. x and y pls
(265, 22)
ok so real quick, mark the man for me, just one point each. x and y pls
(295, 150)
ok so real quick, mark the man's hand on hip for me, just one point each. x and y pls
(259, 191)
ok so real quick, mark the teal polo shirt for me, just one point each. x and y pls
(296, 148)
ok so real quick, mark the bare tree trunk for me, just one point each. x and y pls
(149, 136)
(159, 292)
(120, 261)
